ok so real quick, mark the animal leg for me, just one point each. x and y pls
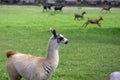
(55, 11)
(14, 76)
(44, 10)
(12, 73)
(82, 17)
(61, 11)
(99, 25)
(86, 25)
(49, 8)
(78, 19)
(109, 11)
(74, 18)
(83, 25)
(101, 10)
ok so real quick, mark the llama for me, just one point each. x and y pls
(106, 8)
(114, 76)
(35, 68)
(93, 21)
(81, 15)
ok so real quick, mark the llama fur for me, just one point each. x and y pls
(114, 76)
(34, 68)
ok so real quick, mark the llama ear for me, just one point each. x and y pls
(53, 32)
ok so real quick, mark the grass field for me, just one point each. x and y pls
(92, 53)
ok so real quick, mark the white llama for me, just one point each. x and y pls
(32, 67)
(114, 76)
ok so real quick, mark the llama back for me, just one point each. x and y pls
(25, 65)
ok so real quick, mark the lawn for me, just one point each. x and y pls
(92, 53)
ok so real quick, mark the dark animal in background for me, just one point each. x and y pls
(81, 15)
(106, 8)
(58, 7)
(47, 6)
(93, 21)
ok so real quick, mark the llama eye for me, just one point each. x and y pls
(61, 38)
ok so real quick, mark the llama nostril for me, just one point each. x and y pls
(66, 42)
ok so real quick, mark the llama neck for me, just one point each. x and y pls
(52, 53)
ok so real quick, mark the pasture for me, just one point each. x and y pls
(91, 54)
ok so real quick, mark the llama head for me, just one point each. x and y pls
(59, 38)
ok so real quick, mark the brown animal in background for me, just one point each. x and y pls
(77, 16)
(93, 21)
(106, 8)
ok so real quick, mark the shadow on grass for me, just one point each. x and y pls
(95, 35)
(105, 31)
(105, 35)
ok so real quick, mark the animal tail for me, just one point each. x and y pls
(10, 53)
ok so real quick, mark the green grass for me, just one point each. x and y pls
(92, 53)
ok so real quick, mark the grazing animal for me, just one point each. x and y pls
(47, 6)
(93, 21)
(114, 76)
(58, 7)
(81, 15)
(35, 68)
(106, 8)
